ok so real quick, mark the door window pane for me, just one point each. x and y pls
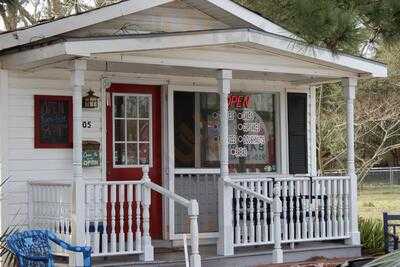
(131, 130)
(143, 107)
(144, 130)
(132, 153)
(119, 154)
(131, 107)
(132, 142)
(144, 153)
(119, 130)
(119, 107)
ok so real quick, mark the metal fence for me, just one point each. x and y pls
(379, 175)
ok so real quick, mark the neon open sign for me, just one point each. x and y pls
(239, 101)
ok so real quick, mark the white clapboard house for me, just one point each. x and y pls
(131, 126)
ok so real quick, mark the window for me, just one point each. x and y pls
(132, 130)
(53, 121)
(251, 131)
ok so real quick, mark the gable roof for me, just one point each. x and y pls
(225, 10)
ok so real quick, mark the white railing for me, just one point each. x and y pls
(249, 227)
(313, 209)
(49, 208)
(117, 215)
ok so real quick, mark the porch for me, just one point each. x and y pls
(262, 204)
(274, 220)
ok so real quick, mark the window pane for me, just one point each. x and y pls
(184, 105)
(251, 131)
(144, 106)
(119, 130)
(119, 107)
(144, 153)
(144, 130)
(119, 154)
(131, 107)
(131, 130)
(132, 154)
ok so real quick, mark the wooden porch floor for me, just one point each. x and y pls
(251, 256)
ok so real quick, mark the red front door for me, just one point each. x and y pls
(134, 139)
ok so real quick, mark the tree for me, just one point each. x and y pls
(13, 12)
(376, 117)
(340, 25)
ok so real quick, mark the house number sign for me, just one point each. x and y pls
(87, 124)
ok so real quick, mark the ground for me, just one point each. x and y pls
(374, 200)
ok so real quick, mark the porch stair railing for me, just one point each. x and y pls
(117, 215)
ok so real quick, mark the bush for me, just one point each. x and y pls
(371, 231)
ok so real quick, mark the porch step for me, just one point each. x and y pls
(252, 256)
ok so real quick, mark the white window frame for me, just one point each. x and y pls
(150, 119)
(280, 133)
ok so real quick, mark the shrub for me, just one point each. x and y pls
(371, 232)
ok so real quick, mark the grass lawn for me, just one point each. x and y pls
(374, 200)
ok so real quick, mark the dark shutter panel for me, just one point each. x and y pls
(297, 128)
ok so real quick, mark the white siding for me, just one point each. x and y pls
(27, 163)
(24, 161)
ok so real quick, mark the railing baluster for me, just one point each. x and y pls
(130, 207)
(265, 215)
(237, 217)
(104, 236)
(87, 215)
(291, 210)
(329, 209)
(113, 225)
(340, 208)
(297, 196)
(251, 210)
(121, 237)
(323, 195)
(96, 205)
(284, 209)
(258, 218)
(271, 211)
(334, 207)
(306, 208)
(317, 208)
(346, 206)
(245, 232)
(138, 199)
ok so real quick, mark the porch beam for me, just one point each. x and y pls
(225, 223)
(78, 209)
(349, 85)
(223, 60)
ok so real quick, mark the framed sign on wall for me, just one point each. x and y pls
(53, 121)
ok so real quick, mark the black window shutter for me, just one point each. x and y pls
(297, 128)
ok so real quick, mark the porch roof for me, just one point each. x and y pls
(236, 49)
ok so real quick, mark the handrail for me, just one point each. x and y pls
(181, 200)
(249, 192)
(52, 183)
(192, 208)
(189, 171)
(114, 182)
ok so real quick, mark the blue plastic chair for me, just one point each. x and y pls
(32, 248)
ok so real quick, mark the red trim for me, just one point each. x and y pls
(38, 142)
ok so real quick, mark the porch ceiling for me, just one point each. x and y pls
(250, 53)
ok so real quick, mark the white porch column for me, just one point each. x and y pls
(225, 223)
(78, 195)
(350, 85)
